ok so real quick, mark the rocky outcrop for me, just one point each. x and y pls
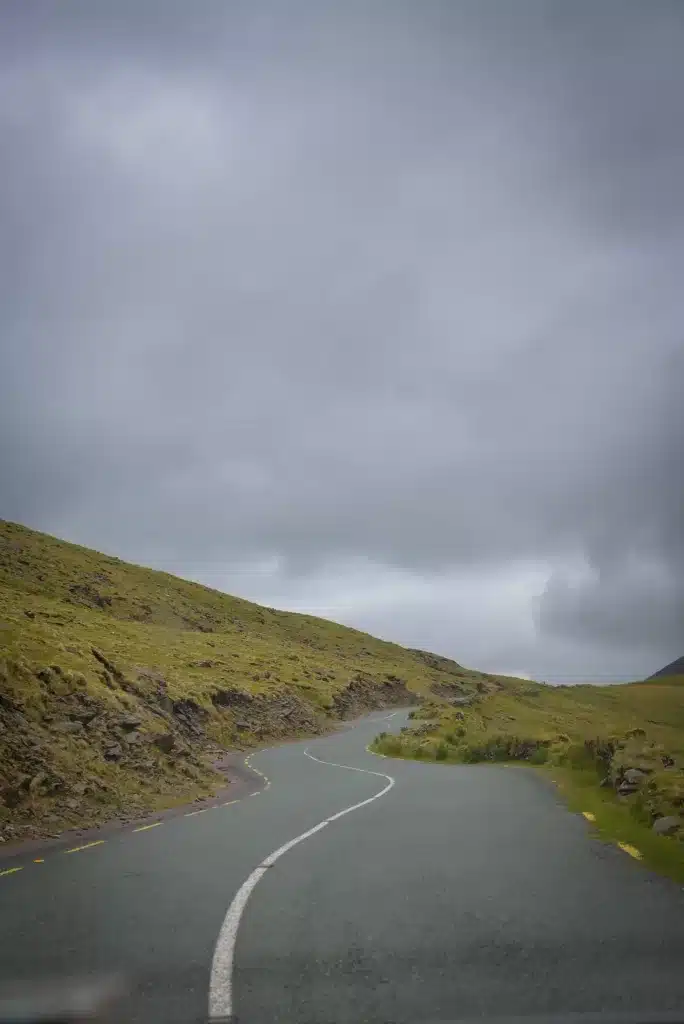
(455, 693)
(363, 693)
(70, 757)
(279, 713)
(643, 775)
(630, 779)
(667, 825)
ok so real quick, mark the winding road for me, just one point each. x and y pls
(348, 888)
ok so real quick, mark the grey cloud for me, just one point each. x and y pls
(606, 609)
(314, 283)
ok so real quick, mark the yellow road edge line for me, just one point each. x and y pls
(10, 871)
(144, 828)
(631, 850)
(589, 816)
(87, 846)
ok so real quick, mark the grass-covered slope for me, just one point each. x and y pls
(616, 751)
(116, 682)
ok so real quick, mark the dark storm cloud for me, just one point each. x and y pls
(310, 282)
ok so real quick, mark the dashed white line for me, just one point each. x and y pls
(221, 983)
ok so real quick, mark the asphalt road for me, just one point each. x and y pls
(460, 892)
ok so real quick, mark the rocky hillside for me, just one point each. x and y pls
(119, 684)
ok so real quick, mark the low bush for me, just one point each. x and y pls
(501, 747)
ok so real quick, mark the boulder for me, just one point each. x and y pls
(114, 752)
(190, 715)
(165, 702)
(38, 782)
(68, 727)
(128, 721)
(12, 796)
(165, 742)
(667, 825)
(231, 699)
(634, 776)
(83, 715)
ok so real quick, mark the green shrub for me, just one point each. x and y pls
(442, 752)
(506, 748)
(595, 754)
(539, 756)
(387, 743)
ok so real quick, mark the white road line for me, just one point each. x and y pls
(221, 982)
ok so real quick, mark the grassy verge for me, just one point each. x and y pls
(615, 753)
(614, 821)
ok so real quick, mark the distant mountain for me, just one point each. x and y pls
(675, 668)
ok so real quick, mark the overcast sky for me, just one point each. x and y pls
(368, 309)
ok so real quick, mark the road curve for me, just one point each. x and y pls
(459, 892)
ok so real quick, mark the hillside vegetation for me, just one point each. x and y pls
(119, 683)
(617, 752)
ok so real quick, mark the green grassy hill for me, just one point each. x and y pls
(117, 682)
(617, 752)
